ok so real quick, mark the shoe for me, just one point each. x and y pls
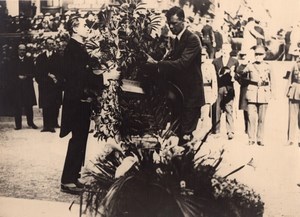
(70, 188)
(18, 128)
(52, 130)
(290, 143)
(260, 143)
(298, 184)
(230, 136)
(56, 126)
(79, 184)
(33, 126)
(251, 143)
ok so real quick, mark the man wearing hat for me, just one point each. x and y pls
(259, 91)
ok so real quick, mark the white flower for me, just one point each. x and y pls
(126, 164)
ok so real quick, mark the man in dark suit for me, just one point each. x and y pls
(22, 69)
(225, 67)
(78, 77)
(183, 67)
(48, 76)
(208, 38)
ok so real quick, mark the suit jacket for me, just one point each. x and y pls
(24, 94)
(183, 67)
(225, 79)
(50, 93)
(78, 77)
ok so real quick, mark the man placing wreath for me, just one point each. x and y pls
(182, 66)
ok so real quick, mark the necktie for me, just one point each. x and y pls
(176, 42)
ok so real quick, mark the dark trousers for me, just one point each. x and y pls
(76, 147)
(188, 123)
(49, 117)
(56, 116)
(18, 115)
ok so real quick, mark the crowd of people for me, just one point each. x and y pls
(203, 63)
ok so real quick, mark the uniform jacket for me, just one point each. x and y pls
(182, 66)
(209, 82)
(293, 88)
(78, 77)
(24, 94)
(261, 72)
(50, 93)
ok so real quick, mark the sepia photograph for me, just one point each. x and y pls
(149, 108)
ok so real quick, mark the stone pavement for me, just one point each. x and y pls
(31, 164)
(16, 207)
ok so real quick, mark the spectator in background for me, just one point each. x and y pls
(48, 76)
(242, 80)
(225, 68)
(250, 36)
(22, 69)
(295, 41)
(208, 38)
(219, 40)
(293, 94)
(258, 28)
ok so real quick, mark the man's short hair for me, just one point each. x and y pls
(72, 23)
(175, 11)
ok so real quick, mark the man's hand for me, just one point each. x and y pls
(53, 77)
(112, 74)
(22, 77)
(150, 59)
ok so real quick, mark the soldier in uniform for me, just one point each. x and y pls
(210, 86)
(293, 94)
(259, 90)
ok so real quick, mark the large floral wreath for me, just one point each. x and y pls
(144, 173)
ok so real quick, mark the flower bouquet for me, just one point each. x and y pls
(155, 177)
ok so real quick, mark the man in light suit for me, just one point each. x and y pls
(183, 67)
(225, 67)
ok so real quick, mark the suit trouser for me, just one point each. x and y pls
(77, 146)
(218, 106)
(18, 115)
(49, 117)
(188, 122)
(257, 114)
(294, 119)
